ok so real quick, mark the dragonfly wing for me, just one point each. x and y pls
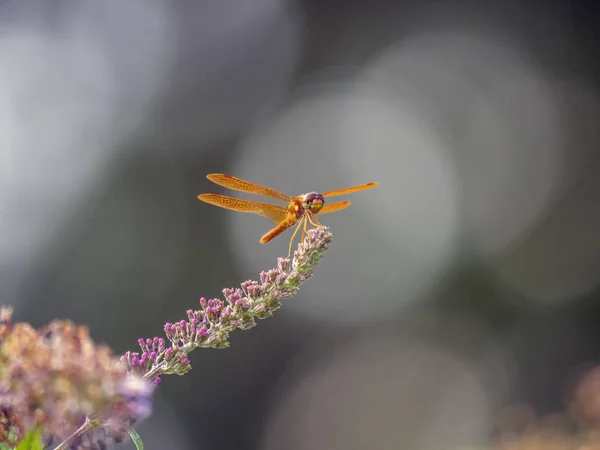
(274, 213)
(238, 184)
(350, 190)
(331, 207)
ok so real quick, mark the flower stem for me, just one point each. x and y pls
(88, 425)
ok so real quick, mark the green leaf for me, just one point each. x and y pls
(5, 446)
(137, 440)
(32, 441)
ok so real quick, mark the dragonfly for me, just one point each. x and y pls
(300, 209)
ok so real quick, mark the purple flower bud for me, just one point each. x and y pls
(232, 295)
(264, 277)
(283, 264)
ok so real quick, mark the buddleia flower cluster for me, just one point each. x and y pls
(576, 428)
(210, 325)
(56, 378)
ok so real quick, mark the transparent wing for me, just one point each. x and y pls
(331, 207)
(274, 213)
(350, 190)
(238, 184)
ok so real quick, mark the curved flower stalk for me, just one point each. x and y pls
(209, 326)
(59, 381)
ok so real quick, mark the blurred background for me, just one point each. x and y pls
(467, 283)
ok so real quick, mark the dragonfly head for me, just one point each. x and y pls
(313, 202)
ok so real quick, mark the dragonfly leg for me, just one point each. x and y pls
(304, 230)
(313, 220)
(294, 235)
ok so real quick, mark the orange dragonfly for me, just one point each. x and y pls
(300, 209)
